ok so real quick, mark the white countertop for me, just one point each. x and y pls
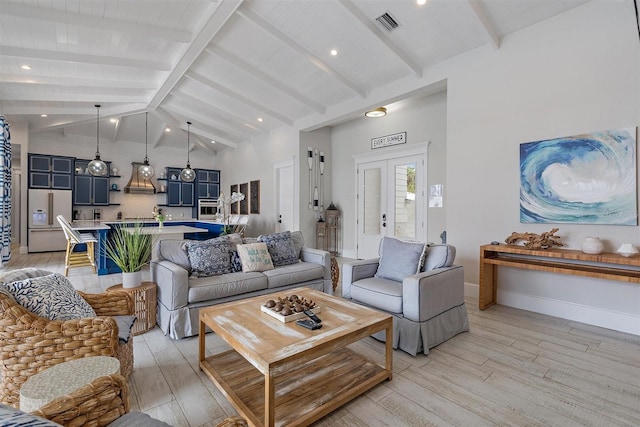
(166, 230)
(89, 225)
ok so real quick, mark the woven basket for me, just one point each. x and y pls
(233, 422)
(94, 405)
(30, 343)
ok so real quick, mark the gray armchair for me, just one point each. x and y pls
(427, 307)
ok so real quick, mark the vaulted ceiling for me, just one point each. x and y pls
(236, 69)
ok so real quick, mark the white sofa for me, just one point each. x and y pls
(180, 296)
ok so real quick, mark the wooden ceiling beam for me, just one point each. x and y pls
(238, 97)
(105, 113)
(73, 97)
(219, 127)
(90, 21)
(54, 55)
(488, 27)
(406, 59)
(265, 78)
(219, 17)
(301, 50)
(62, 81)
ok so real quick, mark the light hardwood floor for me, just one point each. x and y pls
(513, 368)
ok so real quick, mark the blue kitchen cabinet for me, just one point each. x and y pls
(51, 172)
(90, 190)
(207, 183)
(179, 193)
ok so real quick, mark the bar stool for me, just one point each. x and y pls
(73, 259)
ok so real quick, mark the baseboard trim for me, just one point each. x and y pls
(349, 254)
(471, 290)
(616, 320)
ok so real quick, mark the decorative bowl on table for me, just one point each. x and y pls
(289, 308)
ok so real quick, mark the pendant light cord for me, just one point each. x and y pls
(146, 136)
(188, 143)
(635, 5)
(98, 132)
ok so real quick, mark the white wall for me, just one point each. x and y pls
(424, 119)
(576, 73)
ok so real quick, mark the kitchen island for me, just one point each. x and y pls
(174, 229)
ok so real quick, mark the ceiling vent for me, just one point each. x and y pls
(387, 21)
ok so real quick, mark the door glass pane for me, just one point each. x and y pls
(405, 200)
(372, 190)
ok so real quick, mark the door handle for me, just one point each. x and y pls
(384, 220)
(279, 219)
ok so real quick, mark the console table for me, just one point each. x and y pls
(608, 266)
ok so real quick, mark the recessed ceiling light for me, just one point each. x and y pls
(376, 112)
(212, 141)
(421, 2)
(26, 67)
(260, 119)
(334, 52)
(167, 129)
(43, 115)
(113, 120)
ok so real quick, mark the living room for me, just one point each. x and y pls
(575, 73)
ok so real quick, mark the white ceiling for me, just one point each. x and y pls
(223, 64)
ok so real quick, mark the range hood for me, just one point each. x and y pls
(139, 185)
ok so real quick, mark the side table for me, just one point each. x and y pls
(63, 378)
(145, 303)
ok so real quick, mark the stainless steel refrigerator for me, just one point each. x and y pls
(45, 233)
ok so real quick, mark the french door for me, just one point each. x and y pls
(390, 202)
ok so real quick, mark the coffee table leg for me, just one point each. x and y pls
(389, 348)
(269, 400)
(201, 340)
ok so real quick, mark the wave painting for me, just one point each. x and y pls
(583, 179)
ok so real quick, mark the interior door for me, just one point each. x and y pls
(285, 191)
(390, 202)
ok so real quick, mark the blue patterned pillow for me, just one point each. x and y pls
(52, 297)
(209, 258)
(281, 248)
(236, 262)
(12, 417)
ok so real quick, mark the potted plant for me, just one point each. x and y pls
(130, 249)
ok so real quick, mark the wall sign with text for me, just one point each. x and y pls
(386, 141)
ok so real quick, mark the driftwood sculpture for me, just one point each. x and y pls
(545, 240)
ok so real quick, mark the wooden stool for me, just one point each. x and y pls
(145, 305)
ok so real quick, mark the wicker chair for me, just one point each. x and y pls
(30, 343)
(96, 404)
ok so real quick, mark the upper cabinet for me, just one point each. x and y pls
(207, 183)
(179, 193)
(53, 172)
(90, 190)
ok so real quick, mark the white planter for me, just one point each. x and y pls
(131, 280)
(627, 250)
(592, 245)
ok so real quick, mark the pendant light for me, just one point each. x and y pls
(146, 171)
(96, 166)
(187, 174)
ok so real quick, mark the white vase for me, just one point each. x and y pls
(592, 245)
(131, 280)
(627, 250)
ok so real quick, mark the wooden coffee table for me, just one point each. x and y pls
(282, 374)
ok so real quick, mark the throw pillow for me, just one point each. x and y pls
(210, 257)
(439, 256)
(281, 248)
(298, 241)
(399, 259)
(236, 262)
(15, 417)
(255, 257)
(52, 297)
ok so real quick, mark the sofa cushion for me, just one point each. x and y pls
(22, 273)
(225, 285)
(236, 262)
(174, 251)
(399, 259)
(298, 241)
(281, 248)
(439, 256)
(295, 273)
(210, 257)
(254, 257)
(52, 297)
(379, 293)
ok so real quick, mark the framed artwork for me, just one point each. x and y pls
(244, 203)
(254, 197)
(582, 179)
(235, 207)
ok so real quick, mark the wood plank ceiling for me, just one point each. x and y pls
(236, 69)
